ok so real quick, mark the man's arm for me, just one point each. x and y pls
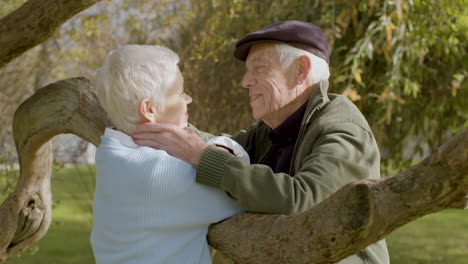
(187, 143)
(340, 155)
(202, 134)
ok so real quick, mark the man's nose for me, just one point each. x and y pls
(248, 80)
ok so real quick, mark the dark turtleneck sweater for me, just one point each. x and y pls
(283, 138)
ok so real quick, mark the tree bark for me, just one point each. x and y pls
(356, 216)
(66, 106)
(33, 23)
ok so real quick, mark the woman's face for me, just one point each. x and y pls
(175, 110)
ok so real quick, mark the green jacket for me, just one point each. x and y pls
(335, 146)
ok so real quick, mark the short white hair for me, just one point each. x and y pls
(318, 67)
(131, 74)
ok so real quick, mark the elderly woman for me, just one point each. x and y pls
(147, 207)
(306, 144)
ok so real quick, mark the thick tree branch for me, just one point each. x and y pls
(34, 22)
(358, 215)
(67, 106)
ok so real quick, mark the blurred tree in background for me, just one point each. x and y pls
(403, 62)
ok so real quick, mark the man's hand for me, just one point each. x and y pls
(182, 143)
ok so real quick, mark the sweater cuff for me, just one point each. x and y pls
(211, 166)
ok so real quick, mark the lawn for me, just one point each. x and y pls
(437, 238)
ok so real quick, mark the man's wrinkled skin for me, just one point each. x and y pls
(275, 93)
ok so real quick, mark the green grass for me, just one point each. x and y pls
(67, 241)
(434, 239)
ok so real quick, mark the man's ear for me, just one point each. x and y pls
(303, 70)
(147, 111)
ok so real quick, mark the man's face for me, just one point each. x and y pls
(268, 83)
(175, 111)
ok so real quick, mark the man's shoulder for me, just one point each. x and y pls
(340, 111)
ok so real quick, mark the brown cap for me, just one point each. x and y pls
(298, 34)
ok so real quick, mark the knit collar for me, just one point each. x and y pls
(120, 136)
(286, 132)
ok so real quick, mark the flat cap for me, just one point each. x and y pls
(298, 34)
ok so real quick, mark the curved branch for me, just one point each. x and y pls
(62, 107)
(356, 216)
(33, 23)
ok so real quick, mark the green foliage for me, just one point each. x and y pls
(408, 61)
(9, 5)
(402, 62)
(8, 176)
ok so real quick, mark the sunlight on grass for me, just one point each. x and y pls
(435, 238)
(67, 240)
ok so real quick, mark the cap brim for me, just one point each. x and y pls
(242, 51)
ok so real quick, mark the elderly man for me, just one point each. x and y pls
(306, 144)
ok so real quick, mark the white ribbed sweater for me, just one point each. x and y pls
(147, 207)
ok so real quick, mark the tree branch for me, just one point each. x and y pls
(34, 22)
(356, 216)
(61, 107)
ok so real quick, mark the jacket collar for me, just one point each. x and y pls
(317, 100)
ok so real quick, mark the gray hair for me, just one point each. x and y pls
(319, 67)
(130, 74)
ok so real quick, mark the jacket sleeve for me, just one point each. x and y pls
(203, 135)
(247, 139)
(342, 153)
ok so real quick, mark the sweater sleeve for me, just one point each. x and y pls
(339, 155)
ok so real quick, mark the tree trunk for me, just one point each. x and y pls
(33, 23)
(356, 216)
